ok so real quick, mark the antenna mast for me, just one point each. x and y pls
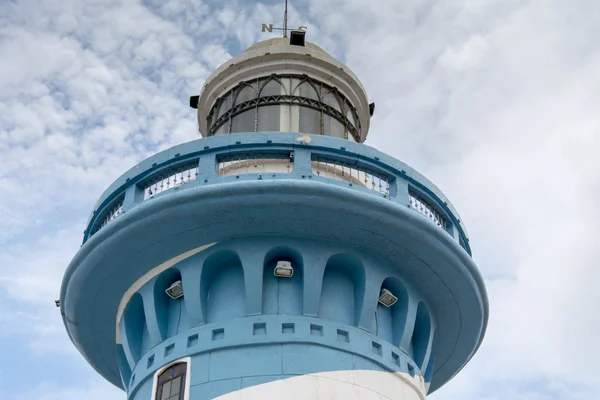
(285, 19)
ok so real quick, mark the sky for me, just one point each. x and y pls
(497, 102)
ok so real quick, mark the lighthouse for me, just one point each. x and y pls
(278, 256)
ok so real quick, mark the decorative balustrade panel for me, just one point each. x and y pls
(255, 163)
(171, 178)
(423, 207)
(336, 169)
(114, 210)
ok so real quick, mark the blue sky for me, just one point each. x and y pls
(495, 101)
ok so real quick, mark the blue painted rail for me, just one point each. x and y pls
(263, 156)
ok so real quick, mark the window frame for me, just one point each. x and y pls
(186, 385)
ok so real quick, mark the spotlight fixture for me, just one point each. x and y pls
(387, 298)
(57, 303)
(175, 291)
(283, 269)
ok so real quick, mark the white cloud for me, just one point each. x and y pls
(497, 102)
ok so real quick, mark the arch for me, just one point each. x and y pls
(305, 88)
(420, 336)
(271, 86)
(171, 315)
(136, 331)
(243, 93)
(343, 289)
(332, 99)
(172, 382)
(223, 105)
(222, 289)
(283, 296)
(389, 322)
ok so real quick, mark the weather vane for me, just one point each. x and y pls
(269, 27)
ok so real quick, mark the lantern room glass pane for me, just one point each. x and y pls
(331, 100)
(223, 129)
(305, 89)
(269, 118)
(332, 127)
(223, 107)
(271, 88)
(350, 117)
(246, 93)
(310, 121)
(243, 122)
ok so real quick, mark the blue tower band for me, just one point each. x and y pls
(278, 256)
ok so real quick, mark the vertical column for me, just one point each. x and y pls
(409, 323)
(154, 329)
(314, 268)
(369, 305)
(253, 265)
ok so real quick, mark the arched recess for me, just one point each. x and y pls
(343, 289)
(420, 336)
(283, 296)
(171, 314)
(389, 322)
(222, 290)
(136, 331)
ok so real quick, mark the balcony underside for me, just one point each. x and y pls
(167, 226)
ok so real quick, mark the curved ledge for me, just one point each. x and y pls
(131, 245)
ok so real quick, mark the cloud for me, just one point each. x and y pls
(496, 102)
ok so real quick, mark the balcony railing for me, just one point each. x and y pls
(424, 207)
(336, 169)
(204, 163)
(173, 177)
(110, 214)
(254, 163)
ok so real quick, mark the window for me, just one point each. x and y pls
(268, 118)
(243, 122)
(271, 88)
(171, 383)
(266, 105)
(310, 121)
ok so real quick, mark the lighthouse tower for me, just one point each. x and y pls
(277, 257)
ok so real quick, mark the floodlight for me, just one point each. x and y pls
(387, 298)
(175, 291)
(283, 269)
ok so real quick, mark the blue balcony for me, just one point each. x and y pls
(267, 156)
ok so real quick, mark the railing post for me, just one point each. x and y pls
(302, 161)
(399, 191)
(207, 167)
(133, 194)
